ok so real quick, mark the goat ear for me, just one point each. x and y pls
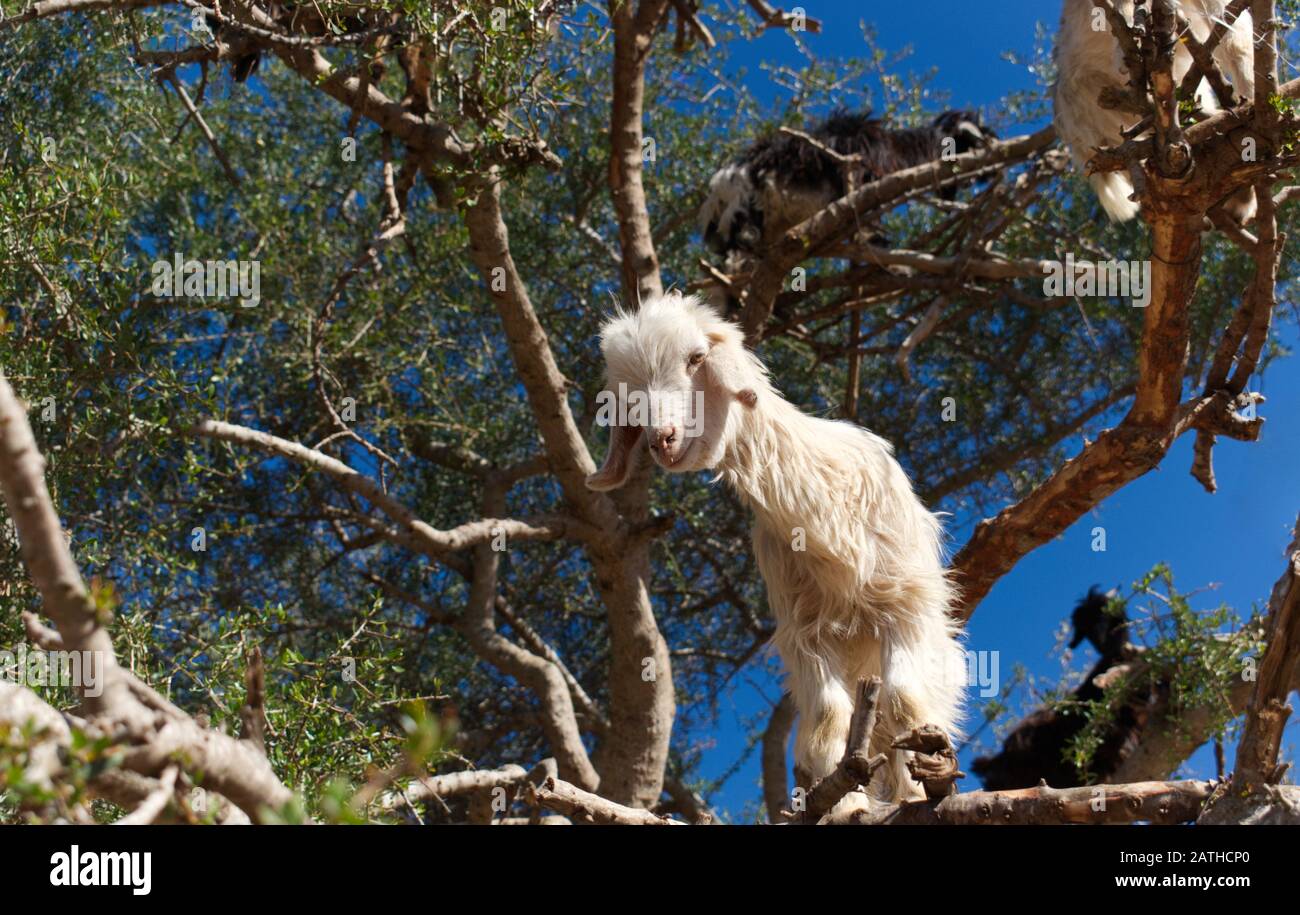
(972, 133)
(726, 363)
(618, 462)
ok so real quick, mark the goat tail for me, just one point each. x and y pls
(1113, 191)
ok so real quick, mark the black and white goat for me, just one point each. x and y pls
(783, 179)
(1089, 60)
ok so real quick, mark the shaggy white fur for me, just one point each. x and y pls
(1088, 59)
(851, 558)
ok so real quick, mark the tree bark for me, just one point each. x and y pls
(1119, 455)
(776, 781)
(1152, 802)
(633, 754)
(635, 26)
(156, 733)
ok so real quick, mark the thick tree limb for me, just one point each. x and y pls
(634, 753)
(1152, 802)
(46, 555)
(533, 358)
(585, 807)
(453, 784)
(776, 783)
(1119, 455)
(159, 733)
(21, 708)
(635, 25)
(1267, 713)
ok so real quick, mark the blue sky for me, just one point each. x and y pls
(1231, 540)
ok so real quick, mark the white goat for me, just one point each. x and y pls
(851, 558)
(1089, 59)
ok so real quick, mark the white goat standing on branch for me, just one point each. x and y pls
(851, 558)
(1089, 60)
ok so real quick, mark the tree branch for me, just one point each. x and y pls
(857, 765)
(776, 784)
(410, 532)
(159, 734)
(635, 25)
(634, 752)
(838, 220)
(1267, 713)
(1159, 803)
(585, 807)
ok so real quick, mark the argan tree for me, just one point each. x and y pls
(323, 528)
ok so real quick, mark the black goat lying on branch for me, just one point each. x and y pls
(1036, 749)
(234, 44)
(786, 177)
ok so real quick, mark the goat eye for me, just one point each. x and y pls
(695, 360)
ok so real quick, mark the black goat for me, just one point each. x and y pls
(1107, 632)
(244, 55)
(783, 179)
(1036, 748)
(242, 64)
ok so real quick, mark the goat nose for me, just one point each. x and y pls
(665, 437)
